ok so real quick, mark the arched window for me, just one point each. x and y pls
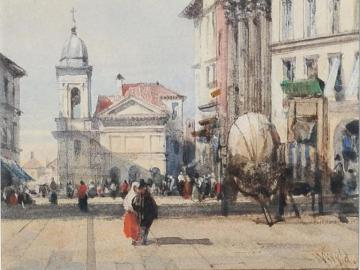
(75, 103)
(287, 23)
(335, 15)
(310, 18)
(174, 111)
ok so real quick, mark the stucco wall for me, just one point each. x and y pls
(348, 51)
(348, 14)
(325, 43)
(144, 147)
(8, 114)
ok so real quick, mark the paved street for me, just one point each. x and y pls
(236, 242)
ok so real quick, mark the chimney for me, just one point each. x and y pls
(32, 156)
(119, 82)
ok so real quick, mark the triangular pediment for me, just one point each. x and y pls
(131, 106)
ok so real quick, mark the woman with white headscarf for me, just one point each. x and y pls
(131, 222)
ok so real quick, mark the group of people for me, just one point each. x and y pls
(13, 195)
(199, 187)
(84, 192)
(340, 185)
(140, 212)
(22, 194)
(101, 190)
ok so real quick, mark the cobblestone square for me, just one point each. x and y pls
(214, 242)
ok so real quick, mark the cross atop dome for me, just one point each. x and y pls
(73, 29)
(74, 52)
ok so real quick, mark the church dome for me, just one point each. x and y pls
(74, 52)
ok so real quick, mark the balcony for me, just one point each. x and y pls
(303, 88)
(209, 107)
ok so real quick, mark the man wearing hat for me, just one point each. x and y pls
(146, 208)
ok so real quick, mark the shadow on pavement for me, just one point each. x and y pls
(180, 241)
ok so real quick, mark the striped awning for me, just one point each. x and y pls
(17, 173)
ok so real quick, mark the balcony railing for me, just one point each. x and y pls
(302, 88)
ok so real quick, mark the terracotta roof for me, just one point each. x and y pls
(152, 93)
(103, 103)
(33, 164)
(147, 89)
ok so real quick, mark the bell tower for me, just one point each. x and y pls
(73, 123)
(74, 78)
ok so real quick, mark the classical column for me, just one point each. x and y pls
(252, 63)
(265, 76)
(243, 64)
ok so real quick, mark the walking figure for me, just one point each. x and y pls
(82, 196)
(146, 209)
(131, 222)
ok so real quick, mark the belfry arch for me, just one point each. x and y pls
(75, 103)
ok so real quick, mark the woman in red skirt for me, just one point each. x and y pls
(131, 221)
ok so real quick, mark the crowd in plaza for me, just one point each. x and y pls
(137, 194)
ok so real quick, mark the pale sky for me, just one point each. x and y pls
(144, 40)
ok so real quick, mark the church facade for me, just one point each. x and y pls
(138, 128)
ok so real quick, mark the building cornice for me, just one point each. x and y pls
(211, 60)
(68, 70)
(135, 121)
(136, 129)
(195, 9)
(292, 45)
(12, 67)
(237, 10)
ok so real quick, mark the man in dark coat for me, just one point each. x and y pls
(146, 208)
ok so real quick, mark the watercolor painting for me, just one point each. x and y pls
(179, 134)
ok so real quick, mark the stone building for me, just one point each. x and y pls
(210, 67)
(74, 124)
(34, 167)
(142, 125)
(232, 69)
(315, 80)
(138, 128)
(249, 64)
(10, 111)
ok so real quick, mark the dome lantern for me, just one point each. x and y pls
(74, 51)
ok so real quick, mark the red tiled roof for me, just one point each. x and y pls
(151, 93)
(103, 103)
(33, 164)
(146, 89)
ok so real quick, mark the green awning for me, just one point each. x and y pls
(302, 88)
